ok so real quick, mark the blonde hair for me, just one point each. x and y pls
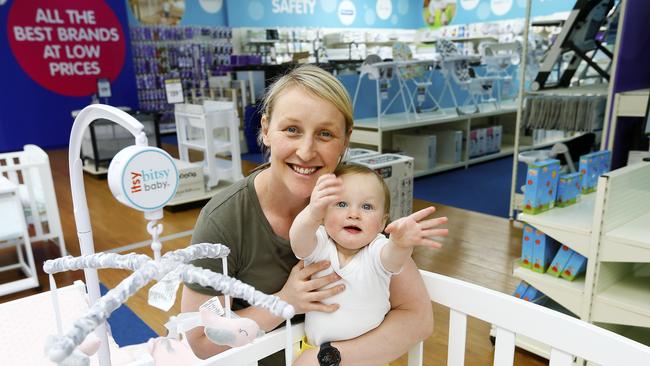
(350, 169)
(316, 81)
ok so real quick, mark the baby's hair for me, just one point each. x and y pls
(349, 169)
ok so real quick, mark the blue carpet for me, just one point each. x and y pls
(126, 327)
(483, 187)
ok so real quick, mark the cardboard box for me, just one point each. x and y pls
(359, 153)
(477, 142)
(189, 173)
(533, 295)
(449, 146)
(592, 166)
(422, 147)
(527, 239)
(560, 261)
(541, 186)
(397, 171)
(544, 249)
(493, 139)
(520, 290)
(568, 190)
(575, 267)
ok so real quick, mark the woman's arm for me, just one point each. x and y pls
(409, 321)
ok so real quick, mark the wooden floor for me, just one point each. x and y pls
(480, 249)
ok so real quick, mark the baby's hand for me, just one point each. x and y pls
(414, 230)
(325, 193)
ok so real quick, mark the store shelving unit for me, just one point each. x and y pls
(612, 229)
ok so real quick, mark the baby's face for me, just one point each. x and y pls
(358, 216)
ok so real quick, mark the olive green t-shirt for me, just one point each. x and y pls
(258, 256)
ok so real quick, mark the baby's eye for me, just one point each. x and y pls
(367, 206)
(341, 204)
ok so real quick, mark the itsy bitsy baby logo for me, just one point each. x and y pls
(143, 177)
(149, 180)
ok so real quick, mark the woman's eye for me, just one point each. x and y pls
(367, 206)
(341, 204)
(292, 130)
(326, 134)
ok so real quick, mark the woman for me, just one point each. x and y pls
(306, 126)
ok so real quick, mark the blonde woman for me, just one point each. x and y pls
(306, 127)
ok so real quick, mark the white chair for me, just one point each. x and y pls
(382, 73)
(212, 128)
(568, 337)
(417, 73)
(13, 233)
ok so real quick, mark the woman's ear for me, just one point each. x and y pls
(265, 130)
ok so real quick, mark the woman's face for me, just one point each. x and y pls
(307, 136)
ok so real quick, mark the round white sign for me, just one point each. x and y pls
(211, 6)
(142, 177)
(468, 4)
(500, 7)
(384, 9)
(347, 12)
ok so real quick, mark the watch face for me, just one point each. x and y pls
(329, 356)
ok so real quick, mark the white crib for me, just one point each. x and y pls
(568, 337)
(30, 171)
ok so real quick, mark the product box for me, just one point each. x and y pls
(541, 186)
(477, 142)
(576, 266)
(520, 290)
(191, 181)
(397, 171)
(422, 147)
(359, 153)
(529, 235)
(544, 249)
(493, 139)
(568, 190)
(449, 146)
(592, 165)
(560, 261)
(534, 295)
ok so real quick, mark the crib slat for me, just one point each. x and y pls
(560, 358)
(416, 355)
(504, 353)
(457, 336)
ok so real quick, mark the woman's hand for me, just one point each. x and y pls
(306, 293)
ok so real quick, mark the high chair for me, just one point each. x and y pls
(212, 128)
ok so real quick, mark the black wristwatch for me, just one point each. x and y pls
(328, 355)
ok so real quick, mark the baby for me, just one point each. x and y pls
(343, 223)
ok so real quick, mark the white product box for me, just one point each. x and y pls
(422, 147)
(493, 139)
(191, 181)
(397, 171)
(359, 153)
(477, 142)
(449, 146)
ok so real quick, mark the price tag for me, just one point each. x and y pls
(163, 294)
(213, 305)
(174, 91)
(104, 88)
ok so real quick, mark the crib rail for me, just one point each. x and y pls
(30, 169)
(567, 336)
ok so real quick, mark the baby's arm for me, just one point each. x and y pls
(302, 234)
(408, 232)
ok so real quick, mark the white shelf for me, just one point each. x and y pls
(625, 302)
(632, 103)
(569, 294)
(570, 225)
(628, 243)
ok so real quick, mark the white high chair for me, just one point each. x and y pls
(13, 232)
(212, 128)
